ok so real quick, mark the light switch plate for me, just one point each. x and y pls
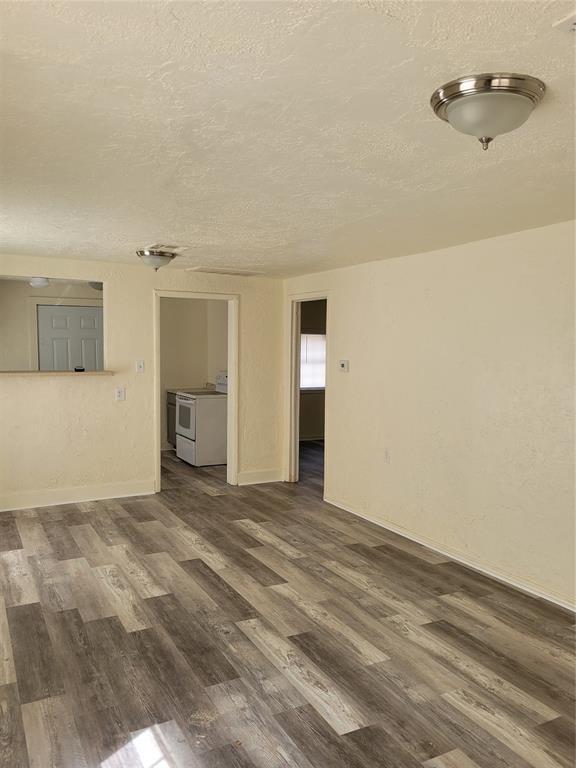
(139, 366)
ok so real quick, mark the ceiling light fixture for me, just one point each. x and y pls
(487, 105)
(38, 282)
(153, 257)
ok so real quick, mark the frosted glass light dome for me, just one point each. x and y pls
(39, 282)
(489, 114)
(155, 258)
(487, 105)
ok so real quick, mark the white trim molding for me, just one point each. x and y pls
(51, 496)
(464, 559)
(257, 476)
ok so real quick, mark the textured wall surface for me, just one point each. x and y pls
(217, 338)
(183, 343)
(183, 348)
(283, 136)
(455, 423)
(62, 435)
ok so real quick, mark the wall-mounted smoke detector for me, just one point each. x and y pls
(224, 271)
(567, 24)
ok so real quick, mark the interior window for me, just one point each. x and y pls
(312, 361)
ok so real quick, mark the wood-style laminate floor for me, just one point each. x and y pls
(220, 627)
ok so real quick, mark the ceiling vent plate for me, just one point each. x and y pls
(225, 271)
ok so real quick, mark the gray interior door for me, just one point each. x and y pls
(69, 337)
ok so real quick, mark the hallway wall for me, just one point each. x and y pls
(455, 422)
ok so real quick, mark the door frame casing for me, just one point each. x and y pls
(292, 324)
(232, 450)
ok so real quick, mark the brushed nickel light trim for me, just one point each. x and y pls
(488, 82)
(155, 258)
(523, 85)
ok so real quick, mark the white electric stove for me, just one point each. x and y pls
(201, 424)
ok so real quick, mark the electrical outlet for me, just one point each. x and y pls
(344, 365)
(139, 366)
(120, 394)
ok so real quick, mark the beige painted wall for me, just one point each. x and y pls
(18, 331)
(64, 438)
(455, 421)
(183, 348)
(217, 338)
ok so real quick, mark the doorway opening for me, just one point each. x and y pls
(196, 390)
(308, 395)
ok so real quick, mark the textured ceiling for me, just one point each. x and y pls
(280, 136)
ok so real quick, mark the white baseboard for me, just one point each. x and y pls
(463, 559)
(260, 476)
(51, 496)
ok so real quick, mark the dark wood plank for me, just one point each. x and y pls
(243, 559)
(9, 536)
(380, 748)
(61, 541)
(37, 669)
(507, 667)
(229, 756)
(333, 659)
(13, 752)
(99, 718)
(138, 536)
(178, 685)
(140, 510)
(319, 742)
(233, 605)
(207, 662)
(482, 747)
(138, 697)
(558, 737)
(70, 514)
